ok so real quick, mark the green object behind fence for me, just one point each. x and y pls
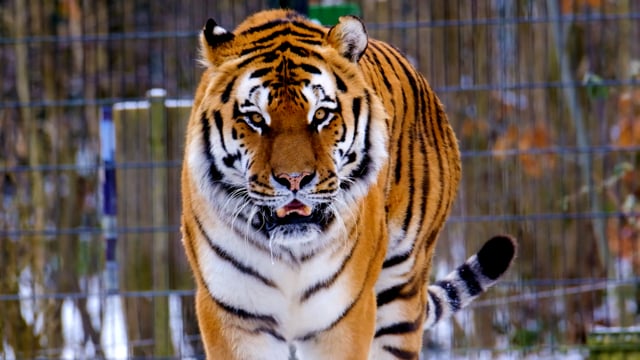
(618, 343)
(329, 14)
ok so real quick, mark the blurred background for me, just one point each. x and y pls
(544, 97)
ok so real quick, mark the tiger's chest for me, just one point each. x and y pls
(289, 300)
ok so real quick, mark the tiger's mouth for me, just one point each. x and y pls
(294, 207)
(295, 215)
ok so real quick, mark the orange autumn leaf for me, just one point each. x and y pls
(622, 132)
(626, 132)
(474, 127)
(506, 141)
(535, 138)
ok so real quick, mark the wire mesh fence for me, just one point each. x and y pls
(544, 97)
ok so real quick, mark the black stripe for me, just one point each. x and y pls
(206, 136)
(400, 353)
(389, 295)
(340, 83)
(217, 117)
(215, 177)
(326, 283)
(436, 304)
(278, 33)
(452, 294)
(379, 66)
(191, 249)
(411, 80)
(399, 162)
(214, 174)
(243, 314)
(395, 260)
(234, 262)
(469, 277)
(230, 159)
(310, 69)
(402, 291)
(443, 149)
(364, 167)
(271, 332)
(402, 327)
(265, 26)
(385, 77)
(408, 213)
(355, 107)
(276, 22)
(260, 72)
(309, 41)
(255, 49)
(227, 91)
(356, 126)
(295, 49)
(306, 27)
(262, 58)
(310, 335)
(270, 56)
(421, 134)
(241, 267)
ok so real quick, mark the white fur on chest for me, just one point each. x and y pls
(284, 297)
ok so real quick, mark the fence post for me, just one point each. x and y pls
(160, 219)
(149, 145)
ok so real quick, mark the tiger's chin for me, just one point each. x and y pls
(295, 235)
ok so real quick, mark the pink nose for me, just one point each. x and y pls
(295, 181)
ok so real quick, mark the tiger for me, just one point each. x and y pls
(319, 168)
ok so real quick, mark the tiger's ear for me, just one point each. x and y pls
(212, 38)
(349, 37)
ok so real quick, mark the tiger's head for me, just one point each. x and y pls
(285, 134)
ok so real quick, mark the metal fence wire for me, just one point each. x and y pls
(544, 96)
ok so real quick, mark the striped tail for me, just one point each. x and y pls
(471, 279)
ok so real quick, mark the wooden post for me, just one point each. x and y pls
(149, 147)
(134, 203)
(160, 219)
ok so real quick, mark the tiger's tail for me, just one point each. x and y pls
(469, 280)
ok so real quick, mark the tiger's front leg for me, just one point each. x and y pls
(401, 312)
(350, 339)
(225, 339)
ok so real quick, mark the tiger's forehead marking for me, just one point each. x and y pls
(321, 88)
(257, 92)
(253, 96)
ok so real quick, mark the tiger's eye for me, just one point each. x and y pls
(256, 118)
(320, 114)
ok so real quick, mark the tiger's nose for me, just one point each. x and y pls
(295, 181)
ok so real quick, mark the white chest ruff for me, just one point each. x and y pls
(302, 298)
